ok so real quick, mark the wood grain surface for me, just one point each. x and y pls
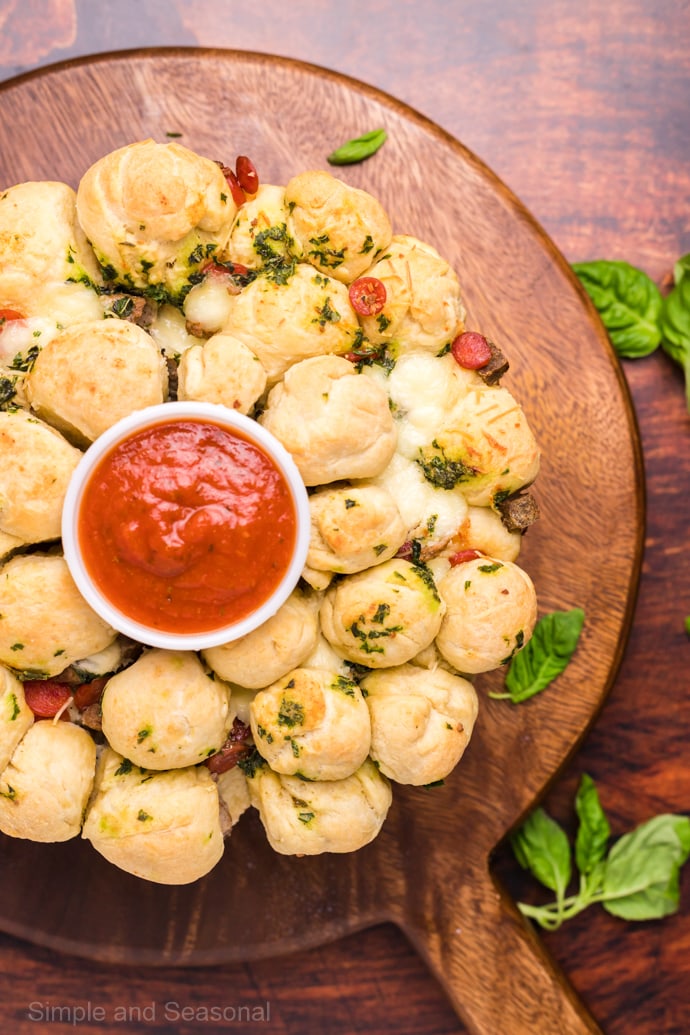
(583, 115)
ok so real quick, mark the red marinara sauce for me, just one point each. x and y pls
(186, 526)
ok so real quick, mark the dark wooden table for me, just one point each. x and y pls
(582, 109)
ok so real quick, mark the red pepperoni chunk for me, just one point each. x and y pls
(45, 697)
(247, 176)
(463, 555)
(471, 350)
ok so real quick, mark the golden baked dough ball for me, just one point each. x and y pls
(424, 390)
(45, 623)
(48, 272)
(45, 787)
(233, 794)
(484, 530)
(89, 377)
(8, 544)
(485, 447)
(491, 611)
(165, 711)
(288, 319)
(337, 228)
(431, 513)
(308, 818)
(335, 423)
(383, 616)
(423, 308)
(259, 234)
(421, 721)
(155, 214)
(161, 826)
(313, 723)
(223, 371)
(277, 646)
(36, 464)
(15, 715)
(353, 528)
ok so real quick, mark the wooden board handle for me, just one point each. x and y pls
(494, 968)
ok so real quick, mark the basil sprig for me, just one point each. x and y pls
(636, 879)
(544, 656)
(629, 304)
(675, 321)
(358, 149)
(637, 317)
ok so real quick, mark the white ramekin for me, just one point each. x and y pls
(160, 414)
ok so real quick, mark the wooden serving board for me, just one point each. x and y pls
(429, 870)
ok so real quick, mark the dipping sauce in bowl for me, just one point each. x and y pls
(186, 525)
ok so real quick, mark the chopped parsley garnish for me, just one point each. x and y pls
(25, 363)
(328, 257)
(345, 686)
(290, 713)
(250, 763)
(441, 471)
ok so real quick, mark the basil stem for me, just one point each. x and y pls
(637, 880)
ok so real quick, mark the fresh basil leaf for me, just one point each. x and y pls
(593, 832)
(542, 847)
(628, 302)
(358, 149)
(641, 879)
(545, 655)
(681, 268)
(675, 328)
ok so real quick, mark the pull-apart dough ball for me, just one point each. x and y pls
(423, 308)
(45, 623)
(384, 616)
(155, 213)
(421, 722)
(277, 646)
(15, 715)
(309, 818)
(491, 611)
(431, 514)
(424, 390)
(483, 530)
(45, 787)
(36, 464)
(89, 377)
(337, 228)
(286, 320)
(334, 422)
(233, 794)
(223, 371)
(353, 528)
(47, 269)
(165, 711)
(160, 826)
(487, 434)
(312, 723)
(259, 232)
